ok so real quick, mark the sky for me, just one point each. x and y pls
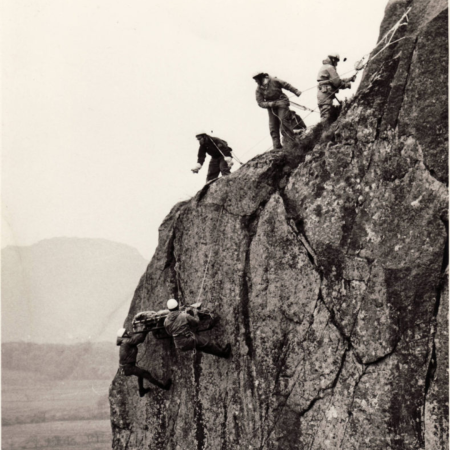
(102, 99)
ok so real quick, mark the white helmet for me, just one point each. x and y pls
(121, 332)
(334, 55)
(172, 304)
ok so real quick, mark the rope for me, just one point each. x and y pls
(209, 258)
(391, 32)
(233, 156)
(283, 127)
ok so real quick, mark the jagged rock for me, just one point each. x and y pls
(327, 271)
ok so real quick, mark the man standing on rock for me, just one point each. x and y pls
(127, 360)
(221, 159)
(182, 326)
(269, 95)
(329, 85)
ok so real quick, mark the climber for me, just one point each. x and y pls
(182, 325)
(221, 159)
(269, 95)
(127, 360)
(329, 85)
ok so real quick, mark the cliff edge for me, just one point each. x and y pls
(329, 272)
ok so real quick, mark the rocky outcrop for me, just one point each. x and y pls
(328, 269)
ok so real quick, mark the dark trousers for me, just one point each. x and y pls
(216, 166)
(200, 343)
(141, 374)
(278, 120)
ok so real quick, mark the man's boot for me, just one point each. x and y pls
(277, 144)
(143, 391)
(226, 351)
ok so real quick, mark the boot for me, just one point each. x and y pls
(143, 391)
(277, 144)
(226, 351)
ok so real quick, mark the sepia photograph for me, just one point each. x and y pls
(224, 225)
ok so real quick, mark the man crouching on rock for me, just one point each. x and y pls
(182, 325)
(127, 360)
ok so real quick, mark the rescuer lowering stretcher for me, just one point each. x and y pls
(182, 325)
(269, 95)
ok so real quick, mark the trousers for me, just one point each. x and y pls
(141, 374)
(217, 166)
(278, 119)
(200, 343)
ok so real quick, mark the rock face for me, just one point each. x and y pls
(328, 269)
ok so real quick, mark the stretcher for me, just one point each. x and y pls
(154, 320)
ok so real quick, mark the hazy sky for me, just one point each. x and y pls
(102, 100)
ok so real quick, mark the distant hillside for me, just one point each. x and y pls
(87, 361)
(67, 290)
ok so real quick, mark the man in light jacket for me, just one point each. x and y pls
(329, 85)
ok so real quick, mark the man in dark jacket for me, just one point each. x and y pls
(329, 85)
(182, 326)
(269, 95)
(221, 159)
(127, 360)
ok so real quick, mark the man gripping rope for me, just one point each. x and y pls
(269, 95)
(221, 159)
(329, 85)
(127, 360)
(182, 326)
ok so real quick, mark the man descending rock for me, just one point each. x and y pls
(221, 159)
(269, 95)
(182, 325)
(329, 85)
(127, 360)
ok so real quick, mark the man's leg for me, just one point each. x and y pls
(325, 110)
(224, 167)
(286, 131)
(141, 373)
(274, 127)
(142, 390)
(213, 169)
(204, 345)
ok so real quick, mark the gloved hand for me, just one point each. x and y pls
(298, 93)
(229, 161)
(197, 167)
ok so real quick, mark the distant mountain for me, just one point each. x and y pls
(67, 290)
(87, 361)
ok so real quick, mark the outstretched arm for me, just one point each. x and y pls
(289, 87)
(201, 155)
(192, 320)
(138, 338)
